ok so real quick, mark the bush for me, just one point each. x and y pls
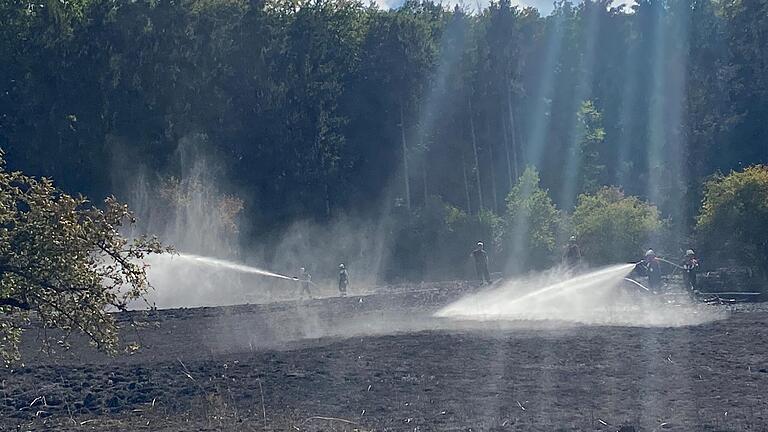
(612, 227)
(435, 241)
(457, 239)
(530, 225)
(733, 221)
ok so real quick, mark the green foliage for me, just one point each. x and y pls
(591, 139)
(434, 243)
(530, 224)
(733, 222)
(66, 261)
(302, 100)
(490, 228)
(613, 228)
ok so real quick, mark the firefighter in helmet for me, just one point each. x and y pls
(481, 263)
(343, 280)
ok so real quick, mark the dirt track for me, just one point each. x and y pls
(207, 369)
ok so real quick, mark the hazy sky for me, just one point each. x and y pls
(544, 6)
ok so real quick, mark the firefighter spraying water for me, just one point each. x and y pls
(305, 280)
(651, 268)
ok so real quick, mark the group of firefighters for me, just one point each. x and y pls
(305, 280)
(649, 267)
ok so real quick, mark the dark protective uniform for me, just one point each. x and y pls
(652, 269)
(572, 255)
(481, 264)
(306, 281)
(343, 282)
(690, 269)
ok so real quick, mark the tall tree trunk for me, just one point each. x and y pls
(477, 159)
(513, 131)
(510, 178)
(327, 200)
(324, 174)
(466, 182)
(405, 158)
(424, 178)
(493, 162)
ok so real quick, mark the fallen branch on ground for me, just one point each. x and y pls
(330, 419)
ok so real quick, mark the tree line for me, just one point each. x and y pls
(324, 107)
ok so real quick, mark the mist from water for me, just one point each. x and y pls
(215, 265)
(599, 297)
(552, 301)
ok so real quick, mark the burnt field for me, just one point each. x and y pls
(380, 362)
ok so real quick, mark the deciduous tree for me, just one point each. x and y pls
(733, 222)
(612, 227)
(65, 262)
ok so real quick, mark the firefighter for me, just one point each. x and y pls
(690, 269)
(481, 263)
(651, 268)
(305, 279)
(572, 256)
(343, 280)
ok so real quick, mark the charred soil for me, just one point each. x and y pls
(380, 363)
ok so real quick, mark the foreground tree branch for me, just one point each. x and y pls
(65, 260)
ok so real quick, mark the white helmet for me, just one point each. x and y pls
(341, 266)
(480, 244)
(650, 253)
(302, 270)
(689, 252)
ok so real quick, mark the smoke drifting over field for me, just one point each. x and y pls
(599, 297)
(199, 213)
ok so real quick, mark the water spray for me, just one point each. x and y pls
(214, 262)
(579, 282)
(550, 295)
(592, 298)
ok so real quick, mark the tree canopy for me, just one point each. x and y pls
(322, 108)
(531, 223)
(314, 105)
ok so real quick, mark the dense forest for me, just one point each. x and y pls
(321, 108)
